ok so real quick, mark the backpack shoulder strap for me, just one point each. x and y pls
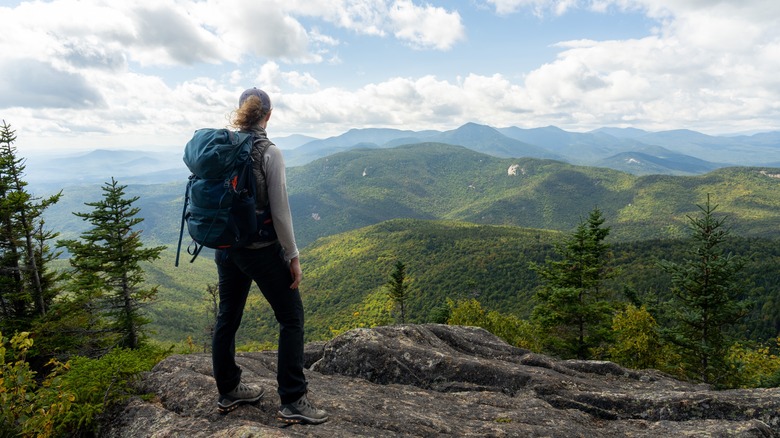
(263, 145)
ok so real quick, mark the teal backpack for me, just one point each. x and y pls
(219, 200)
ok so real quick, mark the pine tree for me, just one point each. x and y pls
(571, 304)
(398, 289)
(26, 288)
(705, 291)
(107, 275)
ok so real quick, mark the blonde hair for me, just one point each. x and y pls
(249, 114)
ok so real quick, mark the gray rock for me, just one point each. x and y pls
(437, 380)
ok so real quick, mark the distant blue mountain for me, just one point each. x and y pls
(676, 152)
(657, 160)
(292, 141)
(578, 148)
(364, 138)
(763, 138)
(99, 166)
(755, 150)
(682, 151)
(620, 132)
(491, 141)
(477, 137)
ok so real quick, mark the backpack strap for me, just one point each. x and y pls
(264, 145)
(265, 229)
(183, 214)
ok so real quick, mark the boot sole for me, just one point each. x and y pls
(224, 409)
(299, 419)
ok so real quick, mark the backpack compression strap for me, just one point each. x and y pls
(183, 214)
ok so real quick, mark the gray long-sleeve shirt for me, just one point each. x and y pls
(271, 182)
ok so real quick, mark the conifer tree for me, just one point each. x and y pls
(107, 266)
(571, 304)
(398, 289)
(704, 303)
(26, 288)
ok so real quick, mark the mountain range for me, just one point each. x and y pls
(470, 221)
(677, 152)
(363, 177)
(638, 152)
(362, 187)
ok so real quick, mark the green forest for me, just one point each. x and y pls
(570, 261)
(363, 187)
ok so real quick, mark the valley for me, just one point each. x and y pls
(466, 223)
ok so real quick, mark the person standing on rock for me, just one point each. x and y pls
(275, 268)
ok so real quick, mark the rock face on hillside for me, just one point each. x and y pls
(437, 380)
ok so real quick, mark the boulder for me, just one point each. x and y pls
(437, 380)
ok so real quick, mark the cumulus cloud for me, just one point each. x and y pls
(264, 29)
(405, 103)
(33, 84)
(706, 60)
(423, 26)
(169, 66)
(90, 54)
(539, 7)
(163, 34)
(426, 27)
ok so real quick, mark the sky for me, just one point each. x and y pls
(144, 74)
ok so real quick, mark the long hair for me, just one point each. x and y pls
(249, 114)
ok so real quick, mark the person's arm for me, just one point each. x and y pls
(276, 181)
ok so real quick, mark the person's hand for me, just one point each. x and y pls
(295, 271)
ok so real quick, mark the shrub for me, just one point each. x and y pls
(637, 342)
(510, 328)
(754, 367)
(99, 383)
(29, 407)
(69, 400)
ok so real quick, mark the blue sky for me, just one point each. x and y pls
(144, 74)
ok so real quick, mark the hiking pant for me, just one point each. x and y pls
(266, 267)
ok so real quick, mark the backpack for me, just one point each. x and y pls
(219, 200)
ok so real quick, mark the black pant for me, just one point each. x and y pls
(237, 269)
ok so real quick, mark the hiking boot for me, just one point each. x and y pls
(301, 411)
(240, 395)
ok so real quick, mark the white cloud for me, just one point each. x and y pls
(273, 79)
(367, 17)
(403, 103)
(426, 27)
(34, 84)
(262, 29)
(538, 7)
(422, 26)
(164, 35)
(151, 71)
(710, 64)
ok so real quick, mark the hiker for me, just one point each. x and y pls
(275, 268)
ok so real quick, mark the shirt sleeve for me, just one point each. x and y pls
(276, 181)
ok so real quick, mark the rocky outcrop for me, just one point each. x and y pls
(438, 380)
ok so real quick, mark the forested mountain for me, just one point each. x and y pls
(362, 187)
(655, 160)
(501, 213)
(438, 181)
(345, 278)
(638, 152)
(669, 151)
